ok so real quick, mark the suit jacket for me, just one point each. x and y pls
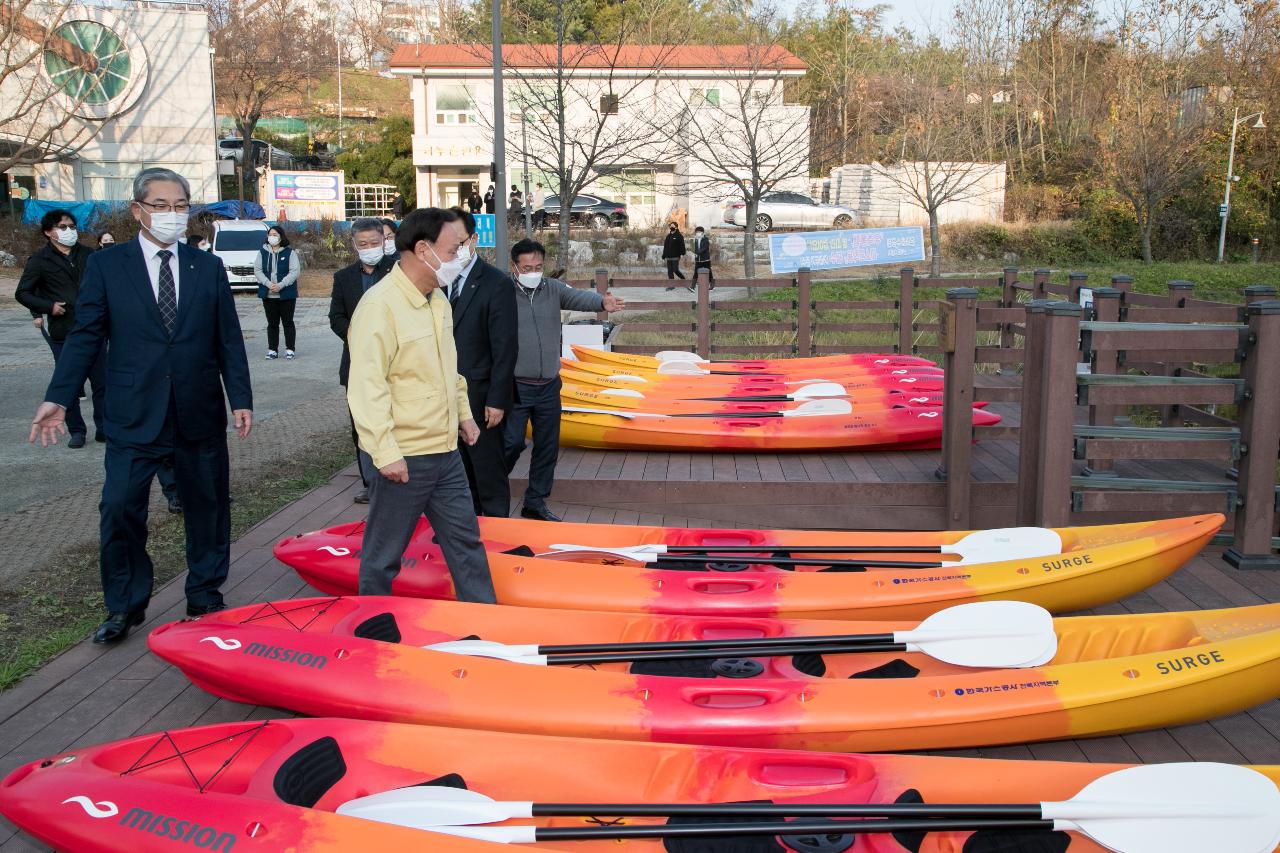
(347, 290)
(146, 366)
(485, 335)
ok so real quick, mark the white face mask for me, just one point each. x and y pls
(464, 255)
(529, 280)
(167, 227)
(68, 236)
(448, 270)
(273, 240)
(389, 246)
(370, 257)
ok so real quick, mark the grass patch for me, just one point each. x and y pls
(60, 604)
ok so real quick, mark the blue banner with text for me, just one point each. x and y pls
(829, 250)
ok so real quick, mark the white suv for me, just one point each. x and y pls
(791, 210)
(236, 241)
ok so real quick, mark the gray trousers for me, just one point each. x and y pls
(437, 488)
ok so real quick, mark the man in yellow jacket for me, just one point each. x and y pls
(409, 405)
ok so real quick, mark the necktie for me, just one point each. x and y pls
(167, 298)
(455, 290)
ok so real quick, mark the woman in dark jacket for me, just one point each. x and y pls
(490, 204)
(277, 267)
(672, 252)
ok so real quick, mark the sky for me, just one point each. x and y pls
(919, 16)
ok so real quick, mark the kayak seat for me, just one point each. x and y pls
(449, 780)
(309, 773)
(521, 551)
(989, 840)
(382, 627)
(814, 665)
(700, 668)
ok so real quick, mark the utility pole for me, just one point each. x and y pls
(499, 144)
(338, 45)
(528, 199)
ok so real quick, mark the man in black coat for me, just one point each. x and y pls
(485, 334)
(49, 287)
(349, 284)
(702, 259)
(672, 251)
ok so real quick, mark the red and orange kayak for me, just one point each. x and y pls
(718, 386)
(691, 372)
(1096, 565)
(1109, 674)
(765, 365)
(264, 787)
(626, 398)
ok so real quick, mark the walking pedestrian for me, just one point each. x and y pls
(484, 331)
(539, 301)
(702, 259)
(50, 287)
(490, 200)
(277, 267)
(410, 405)
(166, 313)
(672, 251)
(350, 284)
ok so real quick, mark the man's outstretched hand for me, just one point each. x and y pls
(48, 424)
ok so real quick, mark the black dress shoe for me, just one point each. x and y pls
(117, 626)
(194, 610)
(175, 505)
(362, 496)
(77, 441)
(541, 513)
(100, 437)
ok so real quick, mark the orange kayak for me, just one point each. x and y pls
(721, 386)
(766, 365)
(910, 428)
(264, 787)
(688, 372)
(1108, 674)
(1095, 565)
(625, 399)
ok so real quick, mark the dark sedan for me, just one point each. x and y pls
(586, 210)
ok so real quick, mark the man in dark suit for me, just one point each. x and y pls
(485, 335)
(349, 284)
(166, 314)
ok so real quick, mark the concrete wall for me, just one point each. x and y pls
(881, 195)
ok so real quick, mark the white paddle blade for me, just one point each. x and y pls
(818, 407)
(1191, 807)
(821, 389)
(680, 355)
(619, 414)
(489, 649)
(680, 368)
(622, 392)
(428, 807)
(1008, 543)
(639, 553)
(987, 634)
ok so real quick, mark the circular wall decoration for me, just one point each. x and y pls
(96, 62)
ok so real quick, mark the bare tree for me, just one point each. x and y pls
(580, 109)
(747, 140)
(368, 27)
(262, 54)
(51, 87)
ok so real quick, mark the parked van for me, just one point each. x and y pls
(237, 241)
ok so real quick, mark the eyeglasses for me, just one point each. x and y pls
(65, 227)
(165, 207)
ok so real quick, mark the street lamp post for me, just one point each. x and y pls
(1225, 210)
(499, 141)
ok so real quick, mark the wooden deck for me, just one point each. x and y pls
(90, 694)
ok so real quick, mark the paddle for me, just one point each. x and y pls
(988, 634)
(808, 392)
(694, 358)
(981, 546)
(810, 409)
(685, 368)
(1158, 808)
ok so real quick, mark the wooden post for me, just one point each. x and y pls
(906, 311)
(959, 335)
(1029, 425)
(1124, 284)
(1008, 299)
(1075, 281)
(602, 287)
(704, 322)
(804, 320)
(1057, 413)
(1106, 309)
(1039, 279)
(1258, 293)
(1260, 439)
(1179, 291)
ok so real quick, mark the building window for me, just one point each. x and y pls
(454, 105)
(533, 103)
(704, 97)
(609, 105)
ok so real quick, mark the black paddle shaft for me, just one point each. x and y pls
(703, 654)
(1030, 811)
(722, 645)
(805, 549)
(797, 561)
(788, 828)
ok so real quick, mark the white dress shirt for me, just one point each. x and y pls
(462, 277)
(150, 255)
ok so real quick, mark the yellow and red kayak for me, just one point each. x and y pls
(1096, 565)
(1109, 674)
(626, 399)
(875, 362)
(264, 787)
(905, 428)
(690, 372)
(722, 386)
